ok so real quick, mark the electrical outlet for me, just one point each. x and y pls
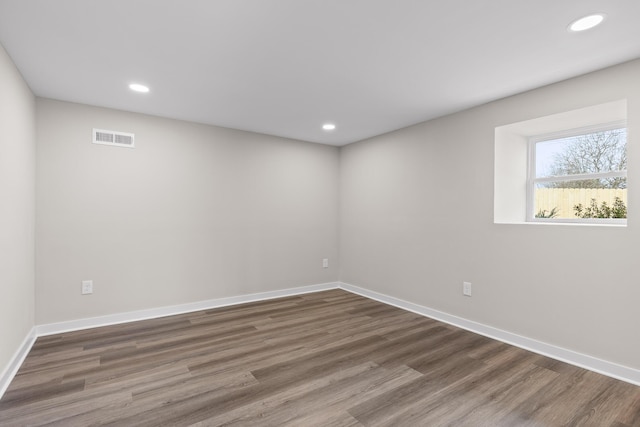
(466, 289)
(325, 263)
(87, 287)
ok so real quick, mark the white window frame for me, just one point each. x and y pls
(532, 180)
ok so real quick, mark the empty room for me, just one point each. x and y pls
(319, 213)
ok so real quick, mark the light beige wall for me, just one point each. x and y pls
(194, 212)
(17, 196)
(417, 220)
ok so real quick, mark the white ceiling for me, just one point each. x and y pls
(284, 67)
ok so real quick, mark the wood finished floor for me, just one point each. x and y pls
(323, 359)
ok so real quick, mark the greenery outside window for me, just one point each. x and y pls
(579, 175)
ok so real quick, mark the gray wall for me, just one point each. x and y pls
(417, 220)
(17, 196)
(192, 213)
(196, 212)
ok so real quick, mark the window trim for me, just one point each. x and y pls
(532, 180)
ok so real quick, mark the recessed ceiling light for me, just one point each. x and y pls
(138, 87)
(328, 126)
(586, 22)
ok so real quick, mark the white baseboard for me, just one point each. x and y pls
(152, 313)
(594, 364)
(16, 361)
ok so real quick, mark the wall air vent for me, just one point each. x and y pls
(117, 139)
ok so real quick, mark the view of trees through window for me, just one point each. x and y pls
(582, 176)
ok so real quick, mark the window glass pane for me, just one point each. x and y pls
(604, 151)
(556, 200)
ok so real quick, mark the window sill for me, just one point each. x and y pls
(568, 223)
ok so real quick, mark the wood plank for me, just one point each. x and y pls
(328, 358)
